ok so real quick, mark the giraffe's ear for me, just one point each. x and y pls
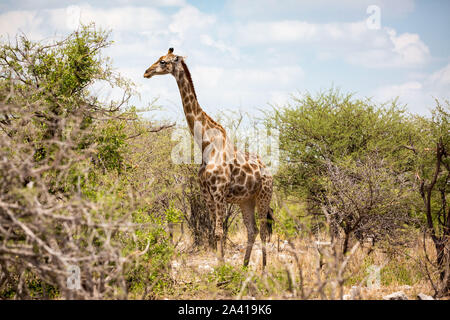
(178, 58)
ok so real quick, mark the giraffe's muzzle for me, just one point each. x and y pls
(148, 74)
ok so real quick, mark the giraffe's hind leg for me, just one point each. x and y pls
(263, 207)
(248, 215)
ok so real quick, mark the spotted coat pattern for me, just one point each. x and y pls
(226, 175)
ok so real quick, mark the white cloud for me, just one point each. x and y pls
(279, 97)
(52, 4)
(45, 22)
(187, 20)
(410, 49)
(268, 9)
(275, 32)
(440, 79)
(220, 45)
(208, 77)
(395, 8)
(353, 42)
(252, 87)
(274, 77)
(407, 89)
(12, 22)
(117, 18)
(419, 95)
(146, 27)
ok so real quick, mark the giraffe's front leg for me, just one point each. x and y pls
(216, 207)
(220, 212)
(216, 187)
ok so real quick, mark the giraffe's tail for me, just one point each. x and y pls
(269, 221)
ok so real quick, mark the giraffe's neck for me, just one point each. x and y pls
(191, 107)
(198, 121)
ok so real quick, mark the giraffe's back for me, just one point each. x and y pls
(247, 176)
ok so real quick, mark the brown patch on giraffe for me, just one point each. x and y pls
(235, 171)
(241, 179)
(250, 183)
(221, 179)
(247, 168)
(211, 124)
(237, 190)
(190, 120)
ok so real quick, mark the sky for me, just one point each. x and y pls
(246, 55)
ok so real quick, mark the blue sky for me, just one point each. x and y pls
(246, 54)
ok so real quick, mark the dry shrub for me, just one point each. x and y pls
(65, 203)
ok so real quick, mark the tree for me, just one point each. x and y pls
(368, 200)
(335, 128)
(431, 150)
(65, 203)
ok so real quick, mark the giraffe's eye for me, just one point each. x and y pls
(162, 62)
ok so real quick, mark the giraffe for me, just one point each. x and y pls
(226, 175)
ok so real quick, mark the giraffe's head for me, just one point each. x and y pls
(164, 65)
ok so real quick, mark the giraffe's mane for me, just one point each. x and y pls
(188, 75)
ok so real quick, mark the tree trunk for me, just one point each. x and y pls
(441, 240)
(443, 263)
(346, 240)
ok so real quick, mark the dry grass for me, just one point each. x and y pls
(198, 275)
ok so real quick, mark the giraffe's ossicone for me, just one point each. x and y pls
(227, 175)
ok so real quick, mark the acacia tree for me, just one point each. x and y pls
(335, 128)
(431, 149)
(367, 200)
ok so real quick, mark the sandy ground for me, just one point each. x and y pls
(193, 271)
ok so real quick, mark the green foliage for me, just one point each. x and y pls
(84, 155)
(333, 126)
(37, 287)
(228, 277)
(112, 145)
(430, 136)
(151, 269)
(348, 155)
(398, 272)
(174, 215)
(288, 223)
(362, 275)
